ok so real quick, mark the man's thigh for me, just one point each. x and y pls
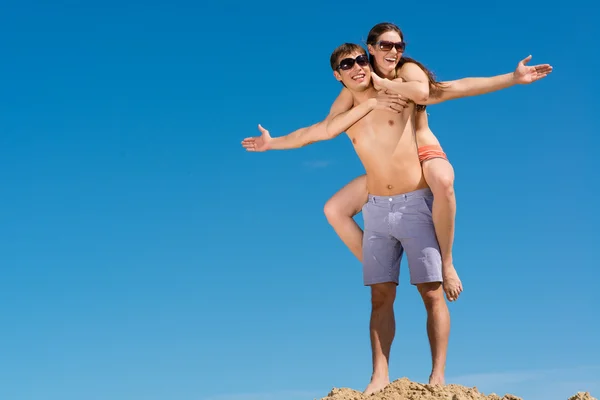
(416, 232)
(381, 251)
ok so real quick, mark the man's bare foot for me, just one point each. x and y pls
(452, 284)
(435, 379)
(376, 385)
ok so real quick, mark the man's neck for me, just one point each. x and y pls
(361, 97)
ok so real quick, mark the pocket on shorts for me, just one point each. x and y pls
(374, 218)
(427, 202)
(365, 211)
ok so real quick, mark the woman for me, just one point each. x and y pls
(385, 44)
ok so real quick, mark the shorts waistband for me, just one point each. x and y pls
(400, 198)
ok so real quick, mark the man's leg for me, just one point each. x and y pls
(439, 175)
(425, 265)
(381, 269)
(382, 329)
(438, 328)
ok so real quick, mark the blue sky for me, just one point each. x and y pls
(145, 255)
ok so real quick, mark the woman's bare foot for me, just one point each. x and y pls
(452, 284)
(376, 385)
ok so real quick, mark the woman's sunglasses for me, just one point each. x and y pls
(348, 63)
(384, 45)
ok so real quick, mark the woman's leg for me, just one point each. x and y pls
(439, 175)
(342, 207)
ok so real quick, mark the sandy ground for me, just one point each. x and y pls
(404, 389)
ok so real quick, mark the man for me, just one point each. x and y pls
(397, 216)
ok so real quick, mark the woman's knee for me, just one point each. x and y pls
(347, 202)
(333, 210)
(336, 210)
(446, 185)
(440, 177)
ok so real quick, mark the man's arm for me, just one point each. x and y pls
(414, 84)
(345, 120)
(314, 133)
(468, 87)
(300, 137)
(323, 130)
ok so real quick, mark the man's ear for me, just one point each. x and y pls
(337, 76)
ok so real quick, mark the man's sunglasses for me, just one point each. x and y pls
(387, 46)
(348, 63)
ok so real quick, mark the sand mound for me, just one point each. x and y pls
(582, 396)
(404, 389)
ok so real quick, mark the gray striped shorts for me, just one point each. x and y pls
(397, 224)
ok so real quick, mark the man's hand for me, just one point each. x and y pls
(391, 101)
(527, 74)
(258, 143)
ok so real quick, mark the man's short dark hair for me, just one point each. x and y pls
(344, 50)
